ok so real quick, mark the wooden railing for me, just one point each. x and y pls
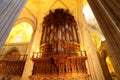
(51, 66)
(59, 68)
(11, 68)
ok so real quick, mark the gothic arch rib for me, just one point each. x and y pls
(11, 49)
(28, 20)
(55, 2)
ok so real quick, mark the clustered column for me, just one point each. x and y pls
(9, 11)
(107, 14)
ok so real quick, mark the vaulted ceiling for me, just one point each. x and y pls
(35, 10)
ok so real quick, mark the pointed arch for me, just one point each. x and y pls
(12, 54)
(21, 32)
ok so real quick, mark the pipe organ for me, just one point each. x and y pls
(60, 49)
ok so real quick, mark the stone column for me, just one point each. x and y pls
(34, 46)
(107, 14)
(79, 22)
(28, 68)
(9, 11)
(106, 72)
(93, 63)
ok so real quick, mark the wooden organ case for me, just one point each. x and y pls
(60, 48)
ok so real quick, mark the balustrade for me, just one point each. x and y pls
(10, 68)
(63, 66)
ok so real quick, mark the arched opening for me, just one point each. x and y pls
(110, 68)
(12, 55)
(92, 25)
(12, 65)
(106, 65)
(21, 32)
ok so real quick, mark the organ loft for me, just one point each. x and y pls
(60, 49)
(59, 40)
